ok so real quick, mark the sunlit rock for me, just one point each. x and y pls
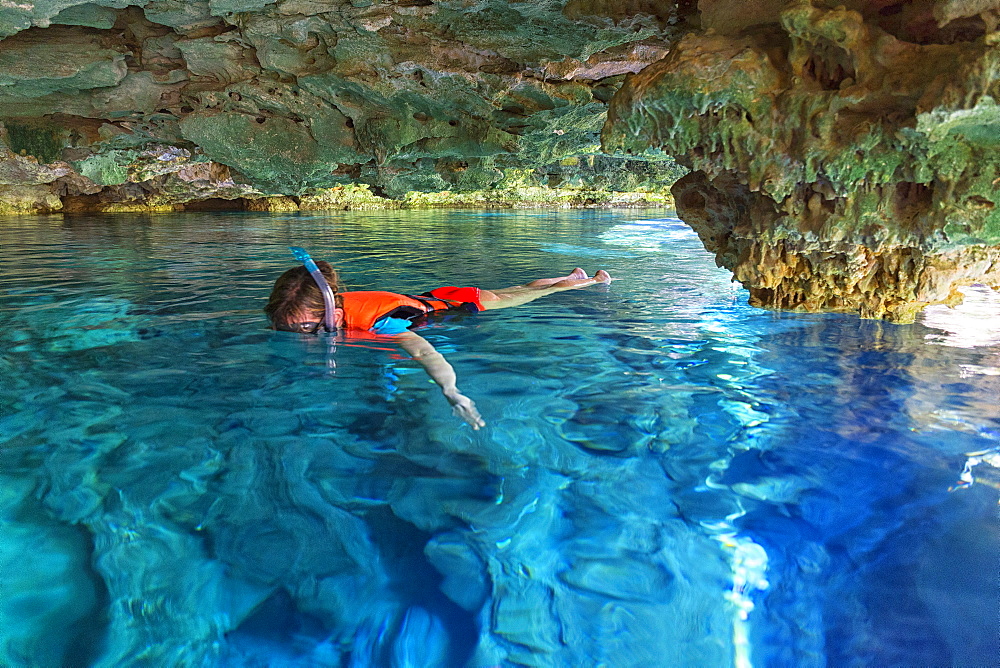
(844, 158)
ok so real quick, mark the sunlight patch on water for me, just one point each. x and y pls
(989, 477)
(973, 323)
(580, 251)
(649, 235)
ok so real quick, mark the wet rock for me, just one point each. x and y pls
(464, 572)
(889, 273)
(843, 158)
(619, 579)
(522, 615)
(49, 607)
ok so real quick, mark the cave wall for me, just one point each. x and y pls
(843, 154)
(156, 102)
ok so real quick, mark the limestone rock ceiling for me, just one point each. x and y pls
(844, 154)
(132, 100)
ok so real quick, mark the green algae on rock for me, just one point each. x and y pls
(842, 160)
(295, 97)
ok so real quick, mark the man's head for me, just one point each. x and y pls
(296, 303)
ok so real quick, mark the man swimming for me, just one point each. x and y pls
(306, 299)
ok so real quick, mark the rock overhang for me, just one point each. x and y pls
(842, 155)
(295, 95)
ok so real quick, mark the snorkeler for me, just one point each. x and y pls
(306, 299)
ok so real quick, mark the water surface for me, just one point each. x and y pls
(667, 477)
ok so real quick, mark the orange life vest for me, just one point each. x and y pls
(364, 308)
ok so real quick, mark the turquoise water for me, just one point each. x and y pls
(667, 477)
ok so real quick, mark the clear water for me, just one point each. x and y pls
(668, 477)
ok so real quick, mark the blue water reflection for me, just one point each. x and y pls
(667, 476)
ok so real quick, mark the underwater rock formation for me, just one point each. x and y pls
(113, 104)
(843, 158)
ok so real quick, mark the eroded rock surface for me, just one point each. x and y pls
(114, 104)
(844, 156)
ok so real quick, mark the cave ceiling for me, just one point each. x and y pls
(114, 97)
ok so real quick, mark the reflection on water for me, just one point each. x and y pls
(973, 323)
(667, 477)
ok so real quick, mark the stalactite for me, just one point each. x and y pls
(859, 145)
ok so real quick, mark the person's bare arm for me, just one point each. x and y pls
(442, 373)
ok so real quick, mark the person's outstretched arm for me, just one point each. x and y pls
(442, 373)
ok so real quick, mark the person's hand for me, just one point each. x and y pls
(465, 408)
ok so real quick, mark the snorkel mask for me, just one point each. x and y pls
(328, 300)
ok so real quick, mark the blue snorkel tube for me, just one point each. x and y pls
(328, 300)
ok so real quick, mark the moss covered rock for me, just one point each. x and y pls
(844, 142)
(299, 96)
